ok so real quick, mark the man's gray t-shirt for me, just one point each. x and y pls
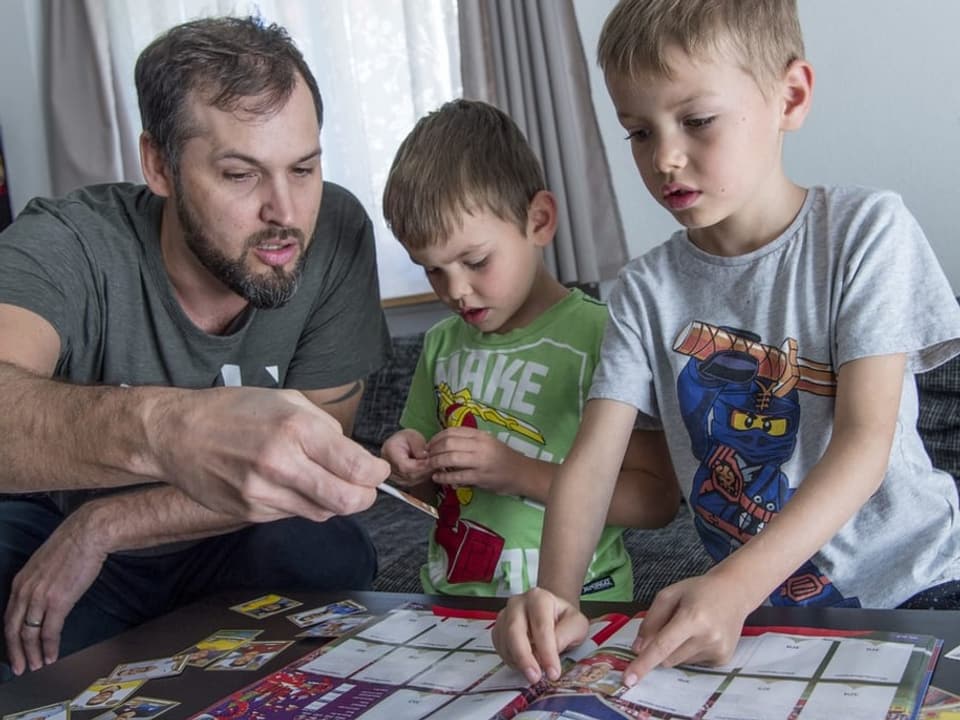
(736, 359)
(90, 264)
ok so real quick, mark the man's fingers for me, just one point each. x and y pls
(50, 633)
(341, 457)
(305, 488)
(270, 502)
(30, 638)
(24, 623)
(331, 494)
(278, 446)
(13, 626)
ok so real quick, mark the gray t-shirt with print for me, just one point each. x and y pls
(736, 359)
(90, 264)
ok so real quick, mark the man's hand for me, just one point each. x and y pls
(534, 628)
(260, 454)
(467, 456)
(697, 620)
(44, 592)
(406, 451)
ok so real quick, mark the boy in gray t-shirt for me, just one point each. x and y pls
(773, 340)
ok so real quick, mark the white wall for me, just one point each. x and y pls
(886, 113)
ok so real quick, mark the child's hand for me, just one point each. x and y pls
(698, 620)
(406, 451)
(534, 628)
(467, 456)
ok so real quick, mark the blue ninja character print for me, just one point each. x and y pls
(740, 403)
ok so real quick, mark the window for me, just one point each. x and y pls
(380, 65)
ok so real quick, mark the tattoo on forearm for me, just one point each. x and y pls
(356, 388)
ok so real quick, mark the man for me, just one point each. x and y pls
(130, 316)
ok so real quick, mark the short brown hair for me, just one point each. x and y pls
(229, 60)
(465, 156)
(763, 35)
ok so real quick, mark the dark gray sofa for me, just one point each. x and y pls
(660, 557)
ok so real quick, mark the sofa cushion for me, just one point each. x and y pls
(378, 416)
(939, 418)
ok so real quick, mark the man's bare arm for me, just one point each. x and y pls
(147, 517)
(55, 433)
(341, 402)
(162, 514)
(54, 430)
(254, 453)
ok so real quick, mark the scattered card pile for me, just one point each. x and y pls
(224, 650)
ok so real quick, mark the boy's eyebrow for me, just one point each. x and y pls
(692, 98)
(479, 246)
(699, 96)
(473, 247)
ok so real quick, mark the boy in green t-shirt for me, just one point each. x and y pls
(499, 389)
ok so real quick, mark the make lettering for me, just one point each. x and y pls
(509, 384)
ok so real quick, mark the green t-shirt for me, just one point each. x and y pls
(527, 388)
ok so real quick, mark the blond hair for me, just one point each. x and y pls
(467, 156)
(764, 36)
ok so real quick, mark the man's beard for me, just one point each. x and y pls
(263, 291)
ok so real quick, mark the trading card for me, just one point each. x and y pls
(939, 704)
(146, 669)
(138, 708)
(938, 696)
(266, 606)
(105, 693)
(252, 656)
(335, 627)
(216, 646)
(306, 618)
(57, 711)
(406, 497)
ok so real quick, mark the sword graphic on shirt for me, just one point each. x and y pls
(473, 550)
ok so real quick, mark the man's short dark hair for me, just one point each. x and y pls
(234, 64)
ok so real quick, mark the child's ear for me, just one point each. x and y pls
(542, 218)
(156, 171)
(797, 94)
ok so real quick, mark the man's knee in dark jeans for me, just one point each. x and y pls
(296, 554)
(286, 554)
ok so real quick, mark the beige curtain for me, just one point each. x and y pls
(526, 57)
(91, 138)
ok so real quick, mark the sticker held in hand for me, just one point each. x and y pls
(409, 499)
